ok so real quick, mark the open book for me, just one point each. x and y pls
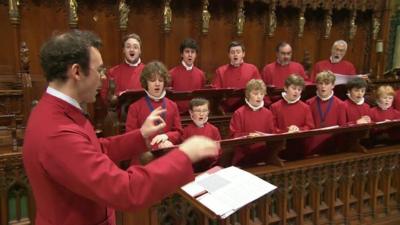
(226, 190)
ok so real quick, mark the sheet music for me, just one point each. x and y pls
(229, 189)
(326, 128)
(343, 79)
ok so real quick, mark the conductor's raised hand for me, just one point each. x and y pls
(199, 147)
(153, 123)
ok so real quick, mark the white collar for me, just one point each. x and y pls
(62, 96)
(357, 103)
(325, 99)
(284, 96)
(154, 97)
(236, 66)
(254, 108)
(186, 66)
(278, 62)
(133, 64)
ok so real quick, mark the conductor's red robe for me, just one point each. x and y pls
(74, 175)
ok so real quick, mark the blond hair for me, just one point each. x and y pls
(294, 79)
(255, 85)
(325, 76)
(384, 90)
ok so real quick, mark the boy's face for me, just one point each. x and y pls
(199, 114)
(236, 55)
(132, 50)
(293, 92)
(325, 89)
(188, 56)
(386, 100)
(357, 94)
(256, 97)
(155, 85)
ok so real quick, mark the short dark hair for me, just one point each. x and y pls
(198, 102)
(154, 68)
(188, 43)
(357, 82)
(63, 50)
(294, 79)
(129, 36)
(280, 45)
(235, 44)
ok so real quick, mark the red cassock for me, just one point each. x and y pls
(207, 130)
(377, 114)
(396, 102)
(74, 175)
(244, 121)
(139, 110)
(332, 112)
(343, 67)
(126, 77)
(186, 80)
(298, 114)
(355, 112)
(275, 74)
(228, 76)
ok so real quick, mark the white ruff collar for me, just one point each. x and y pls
(133, 64)
(325, 99)
(199, 124)
(154, 97)
(284, 96)
(334, 61)
(357, 103)
(254, 108)
(186, 66)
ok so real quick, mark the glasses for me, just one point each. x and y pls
(101, 71)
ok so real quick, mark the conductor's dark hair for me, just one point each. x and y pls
(64, 50)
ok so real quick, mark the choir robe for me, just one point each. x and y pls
(228, 76)
(207, 130)
(126, 77)
(275, 74)
(75, 176)
(336, 116)
(244, 121)
(343, 67)
(186, 80)
(285, 115)
(396, 102)
(378, 115)
(355, 112)
(139, 110)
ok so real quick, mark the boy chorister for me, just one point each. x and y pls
(384, 100)
(327, 110)
(251, 119)
(357, 111)
(153, 79)
(187, 77)
(290, 113)
(199, 110)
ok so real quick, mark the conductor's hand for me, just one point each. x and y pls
(199, 147)
(153, 123)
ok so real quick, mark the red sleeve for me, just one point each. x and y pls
(314, 73)
(203, 80)
(342, 120)
(396, 103)
(217, 81)
(302, 72)
(352, 69)
(119, 147)
(267, 75)
(171, 83)
(174, 135)
(309, 120)
(132, 122)
(89, 172)
(216, 134)
(256, 73)
(235, 126)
